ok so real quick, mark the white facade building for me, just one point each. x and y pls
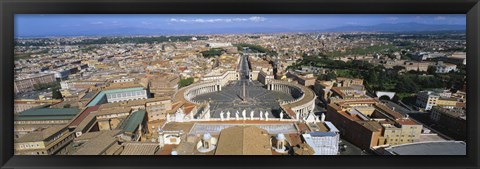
(218, 44)
(445, 67)
(324, 143)
(126, 96)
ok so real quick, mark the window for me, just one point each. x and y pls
(21, 146)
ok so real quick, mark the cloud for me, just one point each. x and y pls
(146, 23)
(96, 23)
(227, 20)
(257, 19)
(392, 18)
(438, 18)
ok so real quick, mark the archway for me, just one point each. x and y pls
(381, 94)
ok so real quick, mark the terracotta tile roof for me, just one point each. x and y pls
(41, 135)
(406, 122)
(139, 148)
(241, 140)
(82, 116)
(371, 125)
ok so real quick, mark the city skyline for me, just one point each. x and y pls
(42, 25)
(241, 85)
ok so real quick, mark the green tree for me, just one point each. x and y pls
(56, 93)
(406, 85)
(398, 68)
(213, 52)
(331, 76)
(432, 70)
(185, 82)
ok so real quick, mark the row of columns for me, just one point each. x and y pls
(286, 89)
(306, 109)
(279, 87)
(202, 90)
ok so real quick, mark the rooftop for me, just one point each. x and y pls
(99, 97)
(40, 135)
(82, 115)
(138, 148)
(430, 148)
(98, 145)
(240, 140)
(132, 122)
(371, 125)
(47, 114)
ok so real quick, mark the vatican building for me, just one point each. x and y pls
(240, 109)
(246, 94)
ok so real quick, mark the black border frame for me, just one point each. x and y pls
(10, 7)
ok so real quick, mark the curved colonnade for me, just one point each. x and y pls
(304, 97)
(303, 103)
(190, 92)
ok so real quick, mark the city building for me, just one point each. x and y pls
(43, 115)
(242, 102)
(241, 140)
(157, 108)
(79, 84)
(453, 120)
(25, 84)
(442, 67)
(44, 141)
(119, 95)
(367, 124)
(134, 126)
(162, 84)
(218, 44)
(305, 79)
(324, 88)
(25, 104)
(427, 99)
(98, 143)
(323, 142)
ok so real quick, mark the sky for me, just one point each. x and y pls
(125, 24)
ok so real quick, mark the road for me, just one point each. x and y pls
(243, 68)
(397, 107)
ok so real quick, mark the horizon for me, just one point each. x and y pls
(69, 25)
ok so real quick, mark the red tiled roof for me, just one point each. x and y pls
(406, 122)
(188, 108)
(289, 111)
(82, 115)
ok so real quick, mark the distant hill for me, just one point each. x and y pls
(397, 27)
